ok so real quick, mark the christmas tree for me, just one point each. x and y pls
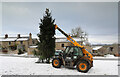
(46, 45)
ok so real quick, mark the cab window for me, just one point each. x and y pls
(76, 51)
(71, 50)
(80, 51)
(67, 49)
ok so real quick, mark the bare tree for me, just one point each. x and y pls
(78, 32)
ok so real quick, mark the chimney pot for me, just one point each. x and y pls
(18, 35)
(30, 35)
(6, 35)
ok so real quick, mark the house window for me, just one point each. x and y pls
(93, 51)
(33, 42)
(111, 48)
(21, 42)
(62, 45)
(13, 48)
(9, 43)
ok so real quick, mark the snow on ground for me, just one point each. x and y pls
(108, 55)
(27, 66)
(16, 55)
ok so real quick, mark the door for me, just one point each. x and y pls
(77, 52)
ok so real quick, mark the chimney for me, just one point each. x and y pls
(6, 35)
(30, 35)
(18, 36)
(30, 39)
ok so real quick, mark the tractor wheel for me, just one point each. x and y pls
(56, 63)
(83, 66)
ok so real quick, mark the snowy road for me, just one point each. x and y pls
(27, 66)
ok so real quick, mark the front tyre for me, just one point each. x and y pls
(56, 63)
(83, 66)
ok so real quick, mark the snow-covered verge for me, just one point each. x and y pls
(106, 57)
(16, 55)
(27, 66)
(109, 55)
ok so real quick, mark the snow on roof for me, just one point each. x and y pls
(34, 38)
(24, 35)
(33, 46)
(8, 39)
(59, 36)
(22, 39)
(61, 40)
(97, 47)
(65, 39)
(77, 39)
(13, 39)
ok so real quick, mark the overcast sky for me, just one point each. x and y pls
(98, 19)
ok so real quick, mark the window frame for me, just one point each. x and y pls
(21, 42)
(62, 45)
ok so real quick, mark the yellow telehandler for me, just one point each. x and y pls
(73, 56)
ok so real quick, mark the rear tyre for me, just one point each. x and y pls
(56, 63)
(83, 66)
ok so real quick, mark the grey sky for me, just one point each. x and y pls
(98, 19)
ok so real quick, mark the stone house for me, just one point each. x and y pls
(106, 49)
(118, 54)
(95, 50)
(61, 43)
(13, 44)
(31, 49)
(109, 49)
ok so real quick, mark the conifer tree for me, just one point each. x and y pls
(46, 45)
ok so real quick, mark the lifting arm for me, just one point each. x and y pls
(68, 37)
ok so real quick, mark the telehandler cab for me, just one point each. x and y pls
(73, 56)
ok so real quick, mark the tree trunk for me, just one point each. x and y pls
(42, 61)
(48, 60)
